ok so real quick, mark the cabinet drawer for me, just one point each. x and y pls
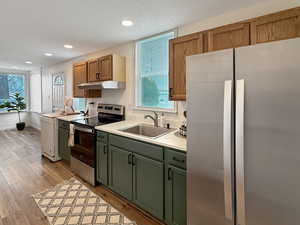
(102, 136)
(176, 158)
(142, 148)
(63, 124)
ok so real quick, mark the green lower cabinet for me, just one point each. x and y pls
(102, 163)
(120, 171)
(175, 196)
(151, 177)
(148, 185)
(64, 150)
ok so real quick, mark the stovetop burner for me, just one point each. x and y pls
(106, 114)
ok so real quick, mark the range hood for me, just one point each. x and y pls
(110, 84)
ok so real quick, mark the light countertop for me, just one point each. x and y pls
(61, 116)
(52, 115)
(169, 140)
(71, 117)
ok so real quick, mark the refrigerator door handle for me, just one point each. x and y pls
(227, 149)
(239, 143)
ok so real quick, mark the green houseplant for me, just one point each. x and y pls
(16, 104)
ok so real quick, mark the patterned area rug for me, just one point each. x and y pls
(73, 203)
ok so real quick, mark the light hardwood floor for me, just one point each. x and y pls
(23, 172)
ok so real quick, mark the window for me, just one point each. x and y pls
(58, 91)
(11, 84)
(152, 73)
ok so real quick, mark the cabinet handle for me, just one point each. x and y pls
(169, 173)
(133, 160)
(104, 149)
(129, 159)
(171, 91)
(178, 160)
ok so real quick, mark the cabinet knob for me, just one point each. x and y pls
(171, 91)
(98, 75)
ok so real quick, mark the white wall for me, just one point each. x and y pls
(35, 100)
(239, 15)
(35, 92)
(126, 97)
(33, 119)
(46, 95)
(9, 120)
(123, 97)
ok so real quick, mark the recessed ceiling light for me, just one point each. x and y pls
(127, 23)
(28, 62)
(48, 54)
(68, 46)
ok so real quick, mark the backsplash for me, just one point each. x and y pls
(174, 119)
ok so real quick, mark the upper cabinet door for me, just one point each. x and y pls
(180, 48)
(106, 68)
(93, 70)
(79, 77)
(277, 26)
(229, 36)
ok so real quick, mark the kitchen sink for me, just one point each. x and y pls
(147, 130)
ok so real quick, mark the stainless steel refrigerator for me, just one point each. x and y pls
(243, 157)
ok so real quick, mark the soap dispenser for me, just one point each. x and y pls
(162, 120)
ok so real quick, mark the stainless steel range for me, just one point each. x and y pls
(83, 153)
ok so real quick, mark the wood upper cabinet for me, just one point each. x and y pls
(106, 68)
(273, 27)
(180, 48)
(110, 67)
(93, 70)
(277, 26)
(79, 77)
(229, 36)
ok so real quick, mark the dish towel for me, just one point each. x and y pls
(71, 136)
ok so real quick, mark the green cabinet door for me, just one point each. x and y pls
(64, 150)
(148, 185)
(175, 194)
(102, 163)
(120, 170)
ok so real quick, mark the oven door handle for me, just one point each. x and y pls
(87, 130)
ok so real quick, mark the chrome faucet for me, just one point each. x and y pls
(155, 118)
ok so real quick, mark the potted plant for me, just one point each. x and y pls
(16, 104)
